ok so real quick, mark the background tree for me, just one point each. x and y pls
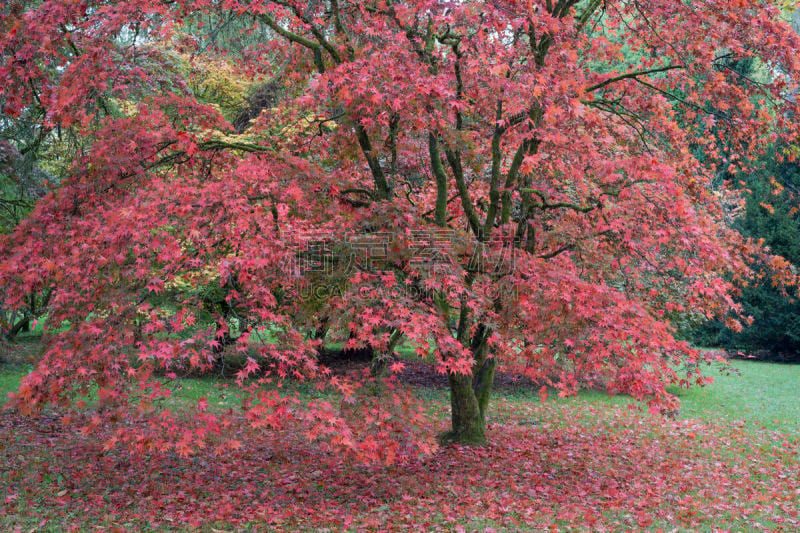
(31, 155)
(769, 184)
(770, 215)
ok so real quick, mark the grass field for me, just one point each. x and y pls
(763, 394)
(729, 461)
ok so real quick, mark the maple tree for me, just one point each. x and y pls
(505, 181)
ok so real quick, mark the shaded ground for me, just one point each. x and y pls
(423, 374)
(765, 355)
(22, 351)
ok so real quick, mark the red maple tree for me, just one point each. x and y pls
(515, 183)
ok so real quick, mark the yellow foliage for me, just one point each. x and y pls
(218, 82)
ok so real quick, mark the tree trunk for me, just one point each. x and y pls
(18, 327)
(468, 424)
(469, 397)
(379, 366)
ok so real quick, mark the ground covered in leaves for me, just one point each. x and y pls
(564, 465)
(579, 463)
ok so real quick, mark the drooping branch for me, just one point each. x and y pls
(681, 100)
(631, 75)
(295, 38)
(315, 31)
(341, 30)
(463, 191)
(454, 156)
(319, 43)
(587, 13)
(562, 7)
(547, 204)
(527, 147)
(384, 191)
(238, 146)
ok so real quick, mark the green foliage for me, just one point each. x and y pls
(770, 183)
(21, 178)
(771, 213)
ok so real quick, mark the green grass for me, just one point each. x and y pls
(765, 395)
(10, 377)
(220, 393)
(762, 394)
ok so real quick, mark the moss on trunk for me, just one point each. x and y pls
(468, 425)
(469, 398)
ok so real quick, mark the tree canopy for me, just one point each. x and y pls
(494, 183)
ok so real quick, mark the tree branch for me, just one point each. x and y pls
(630, 75)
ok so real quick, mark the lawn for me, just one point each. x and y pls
(729, 460)
(764, 395)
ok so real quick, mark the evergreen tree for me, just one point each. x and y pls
(772, 214)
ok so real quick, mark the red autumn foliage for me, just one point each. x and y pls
(523, 176)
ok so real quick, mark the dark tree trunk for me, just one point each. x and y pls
(25, 317)
(469, 396)
(18, 327)
(381, 358)
(468, 424)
